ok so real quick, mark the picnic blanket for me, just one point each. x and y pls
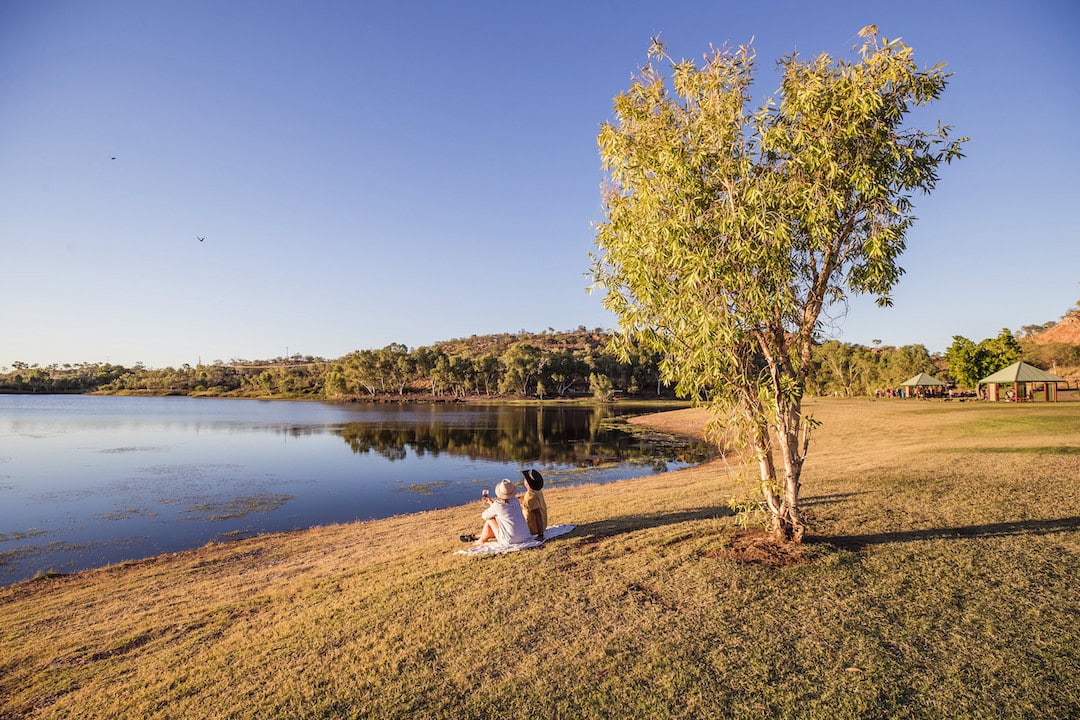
(496, 548)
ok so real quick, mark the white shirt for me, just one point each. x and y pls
(512, 528)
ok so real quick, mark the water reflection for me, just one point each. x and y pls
(575, 436)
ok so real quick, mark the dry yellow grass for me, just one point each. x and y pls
(940, 582)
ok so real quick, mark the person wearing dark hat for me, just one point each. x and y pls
(533, 503)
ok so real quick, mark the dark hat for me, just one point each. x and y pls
(533, 479)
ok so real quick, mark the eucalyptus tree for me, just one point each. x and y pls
(361, 369)
(429, 362)
(601, 387)
(904, 362)
(843, 368)
(464, 372)
(335, 386)
(563, 370)
(609, 365)
(442, 374)
(487, 369)
(396, 367)
(728, 229)
(522, 364)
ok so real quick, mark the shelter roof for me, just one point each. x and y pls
(922, 380)
(1020, 372)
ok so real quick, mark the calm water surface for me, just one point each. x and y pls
(87, 481)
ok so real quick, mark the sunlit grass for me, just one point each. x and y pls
(939, 581)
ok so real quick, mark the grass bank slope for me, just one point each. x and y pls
(940, 581)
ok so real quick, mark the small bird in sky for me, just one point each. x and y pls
(200, 238)
(114, 158)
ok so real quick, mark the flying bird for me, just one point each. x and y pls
(200, 238)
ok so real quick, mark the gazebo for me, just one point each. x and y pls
(922, 380)
(1021, 375)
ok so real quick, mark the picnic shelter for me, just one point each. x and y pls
(921, 384)
(1025, 381)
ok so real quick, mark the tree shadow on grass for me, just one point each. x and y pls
(597, 531)
(1006, 529)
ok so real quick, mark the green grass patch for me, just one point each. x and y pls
(1031, 418)
(1040, 450)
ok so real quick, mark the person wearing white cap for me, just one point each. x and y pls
(504, 522)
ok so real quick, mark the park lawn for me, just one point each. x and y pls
(939, 581)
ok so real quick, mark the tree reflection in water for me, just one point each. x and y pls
(564, 435)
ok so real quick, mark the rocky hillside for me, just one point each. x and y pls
(1055, 346)
(1066, 331)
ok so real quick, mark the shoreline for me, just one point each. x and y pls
(27, 562)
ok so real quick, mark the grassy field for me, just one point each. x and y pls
(940, 581)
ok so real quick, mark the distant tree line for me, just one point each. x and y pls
(543, 365)
(852, 370)
(1054, 357)
(535, 365)
(56, 378)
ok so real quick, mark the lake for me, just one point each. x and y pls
(87, 481)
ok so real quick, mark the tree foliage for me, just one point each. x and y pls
(516, 364)
(970, 362)
(850, 370)
(1051, 355)
(728, 229)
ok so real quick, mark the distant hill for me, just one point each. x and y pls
(1055, 346)
(1066, 331)
(581, 341)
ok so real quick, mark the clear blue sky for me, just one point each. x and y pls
(366, 173)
